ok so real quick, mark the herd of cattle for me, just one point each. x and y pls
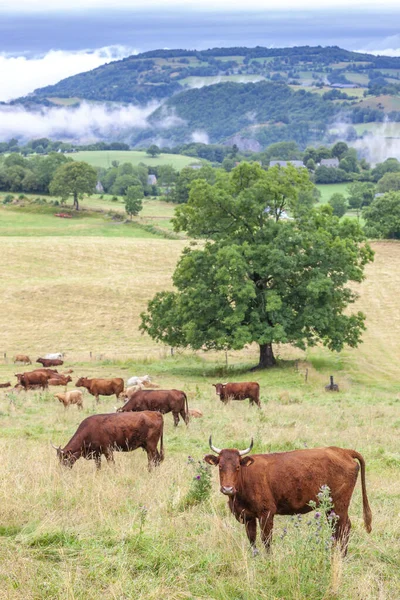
(258, 487)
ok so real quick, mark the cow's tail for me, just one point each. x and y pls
(162, 440)
(367, 514)
(186, 409)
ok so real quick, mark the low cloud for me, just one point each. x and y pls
(383, 143)
(85, 123)
(200, 137)
(20, 75)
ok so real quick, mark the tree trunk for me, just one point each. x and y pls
(267, 358)
(76, 202)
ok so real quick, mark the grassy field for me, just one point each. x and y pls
(380, 129)
(328, 189)
(105, 158)
(125, 533)
(212, 80)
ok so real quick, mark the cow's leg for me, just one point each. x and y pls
(97, 460)
(251, 530)
(342, 532)
(97, 398)
(176, 418)
(266, 526)
(109, 454)
(184, 416)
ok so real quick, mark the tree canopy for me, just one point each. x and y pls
(74, 178)
(259, 276)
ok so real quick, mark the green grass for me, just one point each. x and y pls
(28, 222)
(385, 130)
(105, 158)
(328, 189)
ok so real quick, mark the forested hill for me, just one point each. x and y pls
(227, 108)
(161, 73)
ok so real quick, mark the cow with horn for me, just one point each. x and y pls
(283, 483)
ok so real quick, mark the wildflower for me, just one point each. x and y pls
(317, 515)
(198, 476)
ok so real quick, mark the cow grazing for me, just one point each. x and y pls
(120, 432)
(283, 483)
(164, 401)
(22, 358)
(239, 391)
(50, 362)
(60, 380)
(72, 397)
(195, 412)
(102, 387)
(68, 372)
(5, 385)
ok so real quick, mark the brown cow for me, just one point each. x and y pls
(239, 391)
(72, 397)
(101, 387)
(22, 358)
(102, 434)
(50, 362)
(283, 483)
(37, 379)
(164, 401)
(60, 380)
(5, 385)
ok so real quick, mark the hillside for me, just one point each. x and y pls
(259, 94)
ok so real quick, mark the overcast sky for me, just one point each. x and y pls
(264, 5)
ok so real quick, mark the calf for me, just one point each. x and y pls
(60, 380)
(102, 387)
(283, 483)
(164, 401)
(5, 385)
(22, 358)
(195, 412)
(239, 391)
(72, 397)
(104, 434)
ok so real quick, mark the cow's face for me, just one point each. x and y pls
(219, 388)
(67, 459)
(230, 463)
(81, 382)
(68, 379)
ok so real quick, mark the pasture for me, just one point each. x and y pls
(105, 158)
(124, 532)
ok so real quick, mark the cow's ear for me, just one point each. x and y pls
(246, 461)
(211, 459)
(214, 385)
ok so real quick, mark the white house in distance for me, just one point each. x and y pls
(151, 180)
(332, 163)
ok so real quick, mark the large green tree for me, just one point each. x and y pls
(258, 276)
(382, 217)
(74, 178)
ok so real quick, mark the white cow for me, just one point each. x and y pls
(138, 380)
(55, 356)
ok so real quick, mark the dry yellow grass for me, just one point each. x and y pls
(75, 535)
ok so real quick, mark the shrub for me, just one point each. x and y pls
(200, 487)
(8, 199)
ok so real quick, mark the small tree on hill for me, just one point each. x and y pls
(153, 150)
(74, 178)
(382, 217)
(133, 200)
(259, 277)
(339, 204)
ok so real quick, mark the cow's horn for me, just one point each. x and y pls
(55, 447)
(243, 452)
(213, 448)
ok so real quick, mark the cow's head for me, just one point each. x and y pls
(40, 360)
(219, 388)
(68, 379)
(230, 461)
(82, 381)
(66, 458)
